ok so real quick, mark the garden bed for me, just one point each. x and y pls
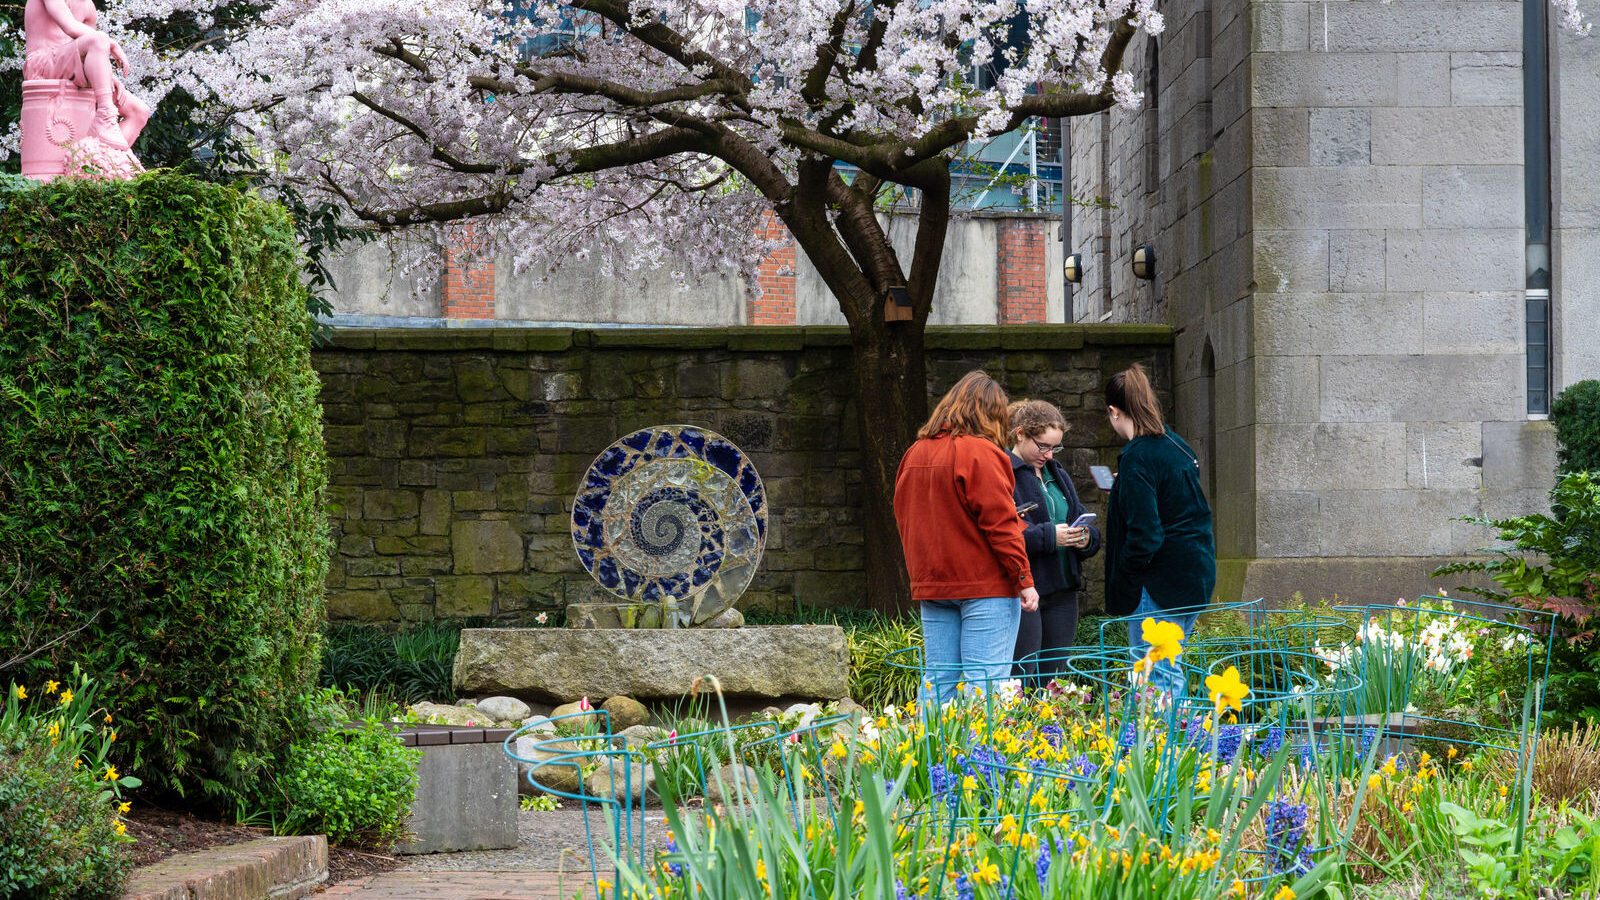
(161, 833)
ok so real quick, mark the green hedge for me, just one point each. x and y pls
(1576, 414)
(162, 473)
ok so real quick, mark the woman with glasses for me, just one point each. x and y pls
(963, 540)
(1161, 560)
(1056, 549)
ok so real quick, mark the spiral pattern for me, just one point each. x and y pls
(675, 515)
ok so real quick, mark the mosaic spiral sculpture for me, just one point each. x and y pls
(674, 515)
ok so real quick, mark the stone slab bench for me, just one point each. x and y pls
(264, 869)
(562, 664)
(466, 790)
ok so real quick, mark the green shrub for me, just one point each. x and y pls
(162, 473)
(1576, 414)
(408, 667)
(61, 834)
(1552, 563)
(354, 784)
(884, 656)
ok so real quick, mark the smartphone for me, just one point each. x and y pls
(1026, 508)
(1084, 520)
(1103, 479)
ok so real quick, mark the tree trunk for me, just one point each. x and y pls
(892, 400)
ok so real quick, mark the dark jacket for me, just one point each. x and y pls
(1158, 528)
(1040, 533)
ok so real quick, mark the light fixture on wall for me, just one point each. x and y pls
(1144, 261)
(897, 305)
(1073, 266)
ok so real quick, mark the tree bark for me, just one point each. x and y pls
(892, 399)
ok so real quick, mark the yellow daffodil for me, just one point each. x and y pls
(986, 873)
(838, 750)
(603, 885)
(22, 692)
(111, 773)
(1227, 691)
(1165, 639)
(54, 731)
(1238, 888)
(66, 697)
(123, 807)
(119, 827)
(1373, 781)
(51, 686)
(1284, 893)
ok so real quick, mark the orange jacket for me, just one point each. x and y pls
(958, 522)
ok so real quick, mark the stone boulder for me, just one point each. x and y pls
(558, 663)
(504, 709)
(442, 714)
(576, 721)
(616, 779)
(728, 618)
(637, 736)
(566, 777)
(626, 712)
(723, 787)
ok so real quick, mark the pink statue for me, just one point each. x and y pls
(76, 115)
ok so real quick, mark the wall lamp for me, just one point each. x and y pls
(1073, 267)
(1144, 261)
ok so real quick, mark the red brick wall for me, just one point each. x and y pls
(1023, 280)
(467, 291)
(775, 306)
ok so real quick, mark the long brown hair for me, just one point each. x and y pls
(1130, 391)
(976, 406)
(1034, 417)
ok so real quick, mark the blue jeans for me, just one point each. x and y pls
(967, 640)
(1167, 675)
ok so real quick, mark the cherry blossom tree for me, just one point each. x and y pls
(660, 132)
(649, 131)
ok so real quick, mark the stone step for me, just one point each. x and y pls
(263, 869)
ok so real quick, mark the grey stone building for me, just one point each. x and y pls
(1376, 231)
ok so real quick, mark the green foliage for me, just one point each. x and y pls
(884, 661)
(1576, 414)
(60, 834)
(1550, 557)
(409, 667)
(355, 784)
(162, 472)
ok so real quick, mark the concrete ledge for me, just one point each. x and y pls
(466, 800)
(742, 338)
(1350, 579)
(275, 867)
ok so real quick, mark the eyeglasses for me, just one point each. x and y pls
(1043, 449)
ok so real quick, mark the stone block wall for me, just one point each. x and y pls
(1336, 196)
(456, 452)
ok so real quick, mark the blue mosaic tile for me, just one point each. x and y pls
(653, 519)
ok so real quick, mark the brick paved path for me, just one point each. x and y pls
(464, 886)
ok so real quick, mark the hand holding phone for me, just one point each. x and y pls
(1085, 520)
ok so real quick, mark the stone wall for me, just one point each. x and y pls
(456, 452)
(1339, 226)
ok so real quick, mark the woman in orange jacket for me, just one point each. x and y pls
(962, 538)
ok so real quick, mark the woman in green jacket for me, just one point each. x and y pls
(1161, 558)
